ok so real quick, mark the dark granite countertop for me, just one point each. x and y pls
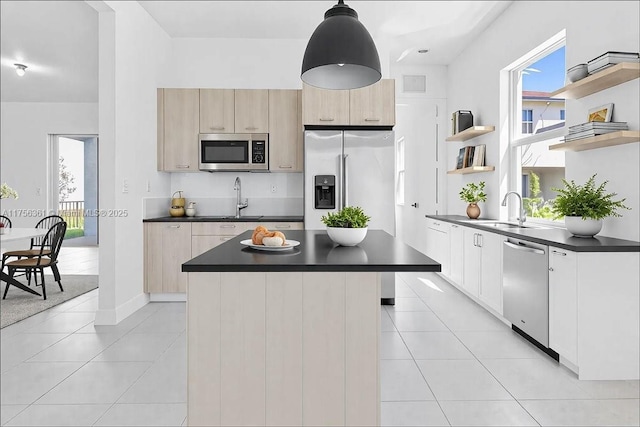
(379, 251)
(558, 237)
(226, 219)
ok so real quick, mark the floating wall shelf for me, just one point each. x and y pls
(600, 141)
(602, 80)
(471, 169)
(471, 132)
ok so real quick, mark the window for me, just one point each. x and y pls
(400, 171)
(527, 121)
(537, 122)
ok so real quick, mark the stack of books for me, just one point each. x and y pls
(611, 58)
(471, 156)
(589, 129)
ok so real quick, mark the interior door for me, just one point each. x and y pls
(418, 126)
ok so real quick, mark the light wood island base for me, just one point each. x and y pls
(283, 348)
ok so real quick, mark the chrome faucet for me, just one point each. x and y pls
(239, 204)
(523, 215)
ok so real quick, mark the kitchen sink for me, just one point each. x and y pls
(231, 217)
(500, 224)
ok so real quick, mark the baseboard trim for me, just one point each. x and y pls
(177, 297)
(115, 316)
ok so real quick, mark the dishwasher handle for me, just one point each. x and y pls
(525, 248)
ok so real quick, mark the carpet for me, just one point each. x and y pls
(20, 304)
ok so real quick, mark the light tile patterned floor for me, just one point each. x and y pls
(444, 362)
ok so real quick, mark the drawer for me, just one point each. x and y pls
(219, 228)
(283, 226)
(201, 244)
(434, 224)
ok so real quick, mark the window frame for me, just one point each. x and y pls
(517, 141)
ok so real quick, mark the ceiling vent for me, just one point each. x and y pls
(414, 84)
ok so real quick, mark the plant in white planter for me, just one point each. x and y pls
(347, 227)
(584, 206)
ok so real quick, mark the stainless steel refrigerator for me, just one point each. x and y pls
(351, 168)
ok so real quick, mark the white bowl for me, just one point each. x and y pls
(347, 236)
(582, 227)
(577, 72)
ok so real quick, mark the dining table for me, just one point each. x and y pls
(15, 234)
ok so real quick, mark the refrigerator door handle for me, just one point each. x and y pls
(345, 198)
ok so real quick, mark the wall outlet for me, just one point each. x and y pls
(125, 185)
(274, 189)
(148, 186)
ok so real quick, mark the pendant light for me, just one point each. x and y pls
(341, 53)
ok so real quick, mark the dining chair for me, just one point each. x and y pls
(6, 222)
(36, 242)
(47, 256)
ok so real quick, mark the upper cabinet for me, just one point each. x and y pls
(373, 105)
(180, 125)
(251, 110)
(369, 106)
(217, 111)
(285, 136)
(324, 107)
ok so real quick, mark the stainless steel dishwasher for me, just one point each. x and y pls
(525, 283)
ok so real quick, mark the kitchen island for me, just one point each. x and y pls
(289, 337)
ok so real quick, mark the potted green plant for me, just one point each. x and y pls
(347, 227)
(473, 193)
(584, 206)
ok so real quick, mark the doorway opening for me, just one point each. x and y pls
(73, 187)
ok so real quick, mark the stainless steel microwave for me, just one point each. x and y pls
(234, 152)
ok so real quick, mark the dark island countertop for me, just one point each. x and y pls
(379, 251)
(551, 236)
(291, 218)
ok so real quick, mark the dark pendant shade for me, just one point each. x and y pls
(341, 53)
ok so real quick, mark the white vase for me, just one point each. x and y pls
(347, 236)
(582, 227)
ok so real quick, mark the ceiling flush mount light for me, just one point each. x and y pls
(21, 69)
(341, 53)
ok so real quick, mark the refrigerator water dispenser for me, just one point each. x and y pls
(325, 191)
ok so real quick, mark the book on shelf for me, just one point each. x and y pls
(478, 155)
(587, 134)
(609, 59)
(598, 125)
(460, 160)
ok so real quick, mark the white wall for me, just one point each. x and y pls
(24, 136)
(133, 54)
(474, 84)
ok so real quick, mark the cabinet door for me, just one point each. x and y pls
(373, 105)
(252, 111)
(471, 271)
(285, 131)
(456, 251)
(181, 126)
(563, 298)
(438, 245)
(176, 250)
(153, 257)
(324, 107)
(490, 291)
(217, 110)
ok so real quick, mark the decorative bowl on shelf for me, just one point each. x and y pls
(577, 72)
(347, 236)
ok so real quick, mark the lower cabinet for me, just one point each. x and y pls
(563, 303)
(482, 277)
(438, 244)
(456, 245)
(167, 246)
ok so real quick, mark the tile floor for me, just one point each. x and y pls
(78, 260)
(445, 361)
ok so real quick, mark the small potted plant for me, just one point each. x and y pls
(584, 206)
(347, 227)
(473, 193)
